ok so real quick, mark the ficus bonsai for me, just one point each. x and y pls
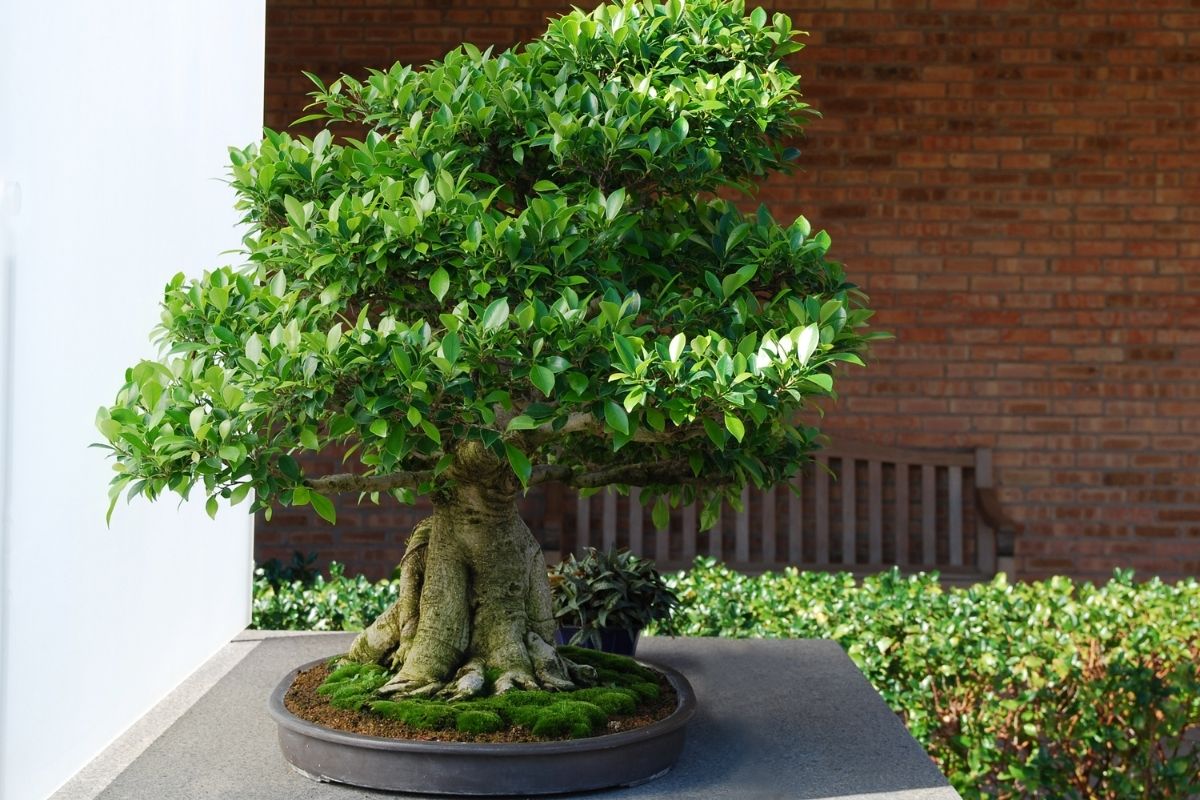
(515, 268)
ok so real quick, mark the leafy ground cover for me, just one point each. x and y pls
(1049, 689)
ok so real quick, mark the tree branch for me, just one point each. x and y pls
(583, 422)
(349, 482)
(675, 471)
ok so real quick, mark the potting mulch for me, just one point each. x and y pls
(303, 701)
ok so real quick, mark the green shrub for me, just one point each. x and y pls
(1054, 689)
(608, 589)
(336, 603)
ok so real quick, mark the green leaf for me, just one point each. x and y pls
(254, 348)
(612, 206)
(211, 507)
(496, 314)
(661, 515)
(239, 493)
(219, 297)
(431, 431)
(731, 283)
(333, 338)
(806, 342)
(322, 505)
(308, 438)
(439, 283)
(542, 378)
(524, 422)
(520, 463)
(380, 428)
(616, 417)
(224, 334)
(289, 467)
(734, 426)
(714, 432)
(758, 18)
(196, 419)
(625, 352)
(578, 382)
(675, 350)
(450, 347)
(821, 379)
(295, 211)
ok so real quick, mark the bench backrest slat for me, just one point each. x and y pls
(689, 534)
(636, 514)
(955, 503)
(875, 512)
(795, 521)
(742, 528)
(869, 504)
(768, 525)
(821, 473)
(609, 522)
(928, 514)
(662, 543)
(849, 486)
(901, 514)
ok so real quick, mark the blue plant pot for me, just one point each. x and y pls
(612, 640)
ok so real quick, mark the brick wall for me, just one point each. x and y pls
(1016, 183)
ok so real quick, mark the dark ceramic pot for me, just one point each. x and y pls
(612, 640)
(626, 758)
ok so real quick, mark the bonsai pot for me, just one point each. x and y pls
(620, 641)
(625, 758)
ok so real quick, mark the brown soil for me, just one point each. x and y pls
(303, 701)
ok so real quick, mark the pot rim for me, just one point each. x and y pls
(685, 708)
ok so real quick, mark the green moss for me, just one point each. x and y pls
(426, 715)
(612, 701)
(573, 718)
(479, 721)
(646, 690)
(521, 697)
(624, 685)
(609, 662)
(353, 685)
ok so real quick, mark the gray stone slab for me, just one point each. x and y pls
(102, 770)
(777, 719)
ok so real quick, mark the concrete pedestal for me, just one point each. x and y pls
(776, 719)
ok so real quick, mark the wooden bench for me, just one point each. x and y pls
(858, 507)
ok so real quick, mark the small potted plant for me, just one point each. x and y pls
(604, 599)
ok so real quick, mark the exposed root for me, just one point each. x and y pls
(549, 667)
(469, 682)
(411, 688)
(392, 631)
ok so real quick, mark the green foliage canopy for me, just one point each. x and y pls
(525, 250)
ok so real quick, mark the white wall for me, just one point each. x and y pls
(114, 119)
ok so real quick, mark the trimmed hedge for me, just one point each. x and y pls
(316, 603)
(1054, 689)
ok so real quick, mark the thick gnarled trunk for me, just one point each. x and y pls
(473, 597)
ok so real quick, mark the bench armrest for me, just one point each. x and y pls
(988, 503)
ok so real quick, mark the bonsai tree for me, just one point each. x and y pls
(515, 268)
